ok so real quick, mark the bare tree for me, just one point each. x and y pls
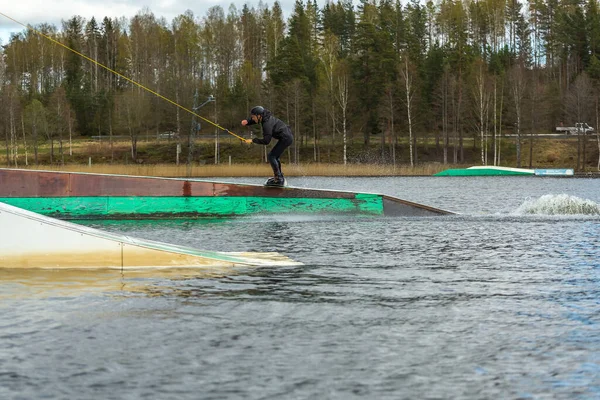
(296, 87)
(518, 86)
(329, 61)
(36, 116)
(342, 97)
(443, 112)
(2, 100)
(481, 95)
(495, 120)
(23, 132)
(59, 116)
(390, 95)
(456, 101)
(4, 127)
(10, 114)
(407, 74)
(6, 138)
(578, 107)
(132, 110)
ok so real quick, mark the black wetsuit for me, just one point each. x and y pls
(274, 128)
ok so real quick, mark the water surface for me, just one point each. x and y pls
(500, 301)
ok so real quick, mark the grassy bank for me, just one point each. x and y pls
(158, 158)
(249, 170)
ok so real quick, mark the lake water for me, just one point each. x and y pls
(500, 301)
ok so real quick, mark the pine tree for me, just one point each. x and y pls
(76, 84)
(592, 25)
(374, 67)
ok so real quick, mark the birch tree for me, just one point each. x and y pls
(407, 74)
(9, 117)
(481, 95)
(579, 110)
(342, 97)
(329, 63)
(518, 86)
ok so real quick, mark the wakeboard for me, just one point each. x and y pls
(270, 183)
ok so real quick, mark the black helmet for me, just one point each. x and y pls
(258, 110)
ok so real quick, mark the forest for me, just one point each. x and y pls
(384, 75)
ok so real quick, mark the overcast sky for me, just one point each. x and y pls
(34, 12)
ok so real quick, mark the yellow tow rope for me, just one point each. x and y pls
(124, 77)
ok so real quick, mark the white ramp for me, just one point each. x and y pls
(30, 240)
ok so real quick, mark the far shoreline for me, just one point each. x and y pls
(263, 170)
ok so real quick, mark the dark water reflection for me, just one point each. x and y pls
(487, 304)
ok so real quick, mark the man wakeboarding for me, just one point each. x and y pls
(272, 128)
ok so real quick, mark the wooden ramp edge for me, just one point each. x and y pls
(75, 195)
(30, 240)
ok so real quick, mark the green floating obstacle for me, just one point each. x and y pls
(486, 171)
(173, 207)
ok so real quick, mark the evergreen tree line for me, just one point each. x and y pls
(389, 75)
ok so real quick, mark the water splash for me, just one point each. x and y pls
(559, 204)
